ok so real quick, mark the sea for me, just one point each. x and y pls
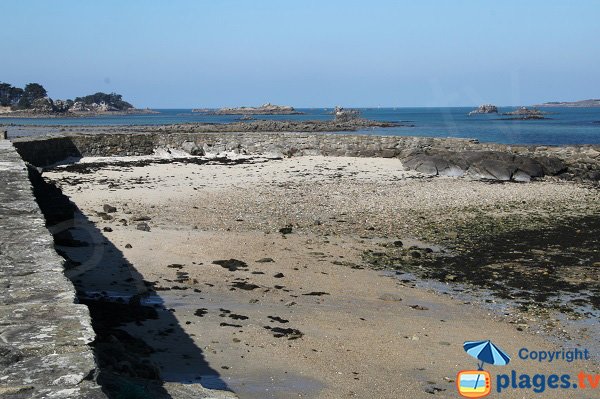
(563, 126)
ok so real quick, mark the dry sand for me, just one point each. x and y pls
(360, 333)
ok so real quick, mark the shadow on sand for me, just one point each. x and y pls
(123, 306)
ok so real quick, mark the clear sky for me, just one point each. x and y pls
(185, 53)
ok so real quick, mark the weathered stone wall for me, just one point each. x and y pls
(429, 155)
(44, 334)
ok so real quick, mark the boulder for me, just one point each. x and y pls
(192, 148)
(488, 165)
(550, 165)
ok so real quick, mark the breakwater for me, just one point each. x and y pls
(434, 156)
(44, 333)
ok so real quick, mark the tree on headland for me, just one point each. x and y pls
(9, 95)
(113, 100)
(35, 97)
(31, 92)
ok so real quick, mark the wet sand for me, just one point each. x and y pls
(291, 308)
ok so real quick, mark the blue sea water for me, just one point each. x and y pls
(564, 125)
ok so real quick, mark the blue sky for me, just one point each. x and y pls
(170, 54)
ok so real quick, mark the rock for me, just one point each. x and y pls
(128, 246)
(398, 243)
(143, 227)
(345, 115)
(491, 169)
(450, 277)
(265, 109)
(192, 148)
(485, 109)
(487, 165)
(9, 355)
(232, 264)
(279, 275)
(286, 230)
(551, 166)
(109, 208)
(390, 297)
(107, 229)
(520, 176)
(525, 113)
(265, 260)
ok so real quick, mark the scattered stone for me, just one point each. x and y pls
(107, 229)
(418, 307)
(200, 312)
(317, 293)
(237, 316)
(286, 230)
(109, 208)
(232, 264)
(279, 275)
(128, 246)
(230, 325)
(143, 227)
(289, 333)
(278, 319)
(245, 286)
(265, 260)
(450, 277)
(390, 297)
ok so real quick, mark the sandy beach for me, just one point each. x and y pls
(258, 274)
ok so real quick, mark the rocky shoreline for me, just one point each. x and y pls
(266, 126)
(29, 114)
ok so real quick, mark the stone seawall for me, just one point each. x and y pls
(44, 334)
(436, 156)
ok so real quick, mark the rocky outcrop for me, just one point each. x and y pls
(485, 109)
(44, 350)
(524, 113)
(487, 165)
(345, 115)
(265, 109)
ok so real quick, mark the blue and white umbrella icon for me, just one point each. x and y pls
(486, 352)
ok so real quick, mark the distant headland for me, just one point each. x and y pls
(580, 104)
(33, 101)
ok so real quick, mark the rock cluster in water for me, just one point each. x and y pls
(265, 109)
(526, 113)
(485, 109)
(346, 115)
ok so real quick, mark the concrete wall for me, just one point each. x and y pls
(44, 334)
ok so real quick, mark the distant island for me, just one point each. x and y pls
(522, 113)
(265, 109)
(580, 104)
(33, 101)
